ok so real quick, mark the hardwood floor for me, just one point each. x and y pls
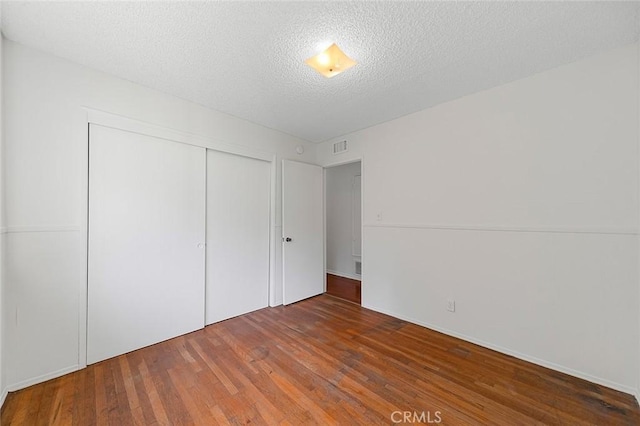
(322, 361)
(344, 288)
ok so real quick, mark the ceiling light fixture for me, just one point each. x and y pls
(331, 61)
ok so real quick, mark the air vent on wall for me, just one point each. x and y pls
(340, 147)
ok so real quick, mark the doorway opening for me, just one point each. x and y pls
(343, 213)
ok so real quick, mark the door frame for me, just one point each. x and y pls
(115, 121)
(351, 160)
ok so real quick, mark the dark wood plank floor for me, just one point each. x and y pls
(344, 288)
(320, 361)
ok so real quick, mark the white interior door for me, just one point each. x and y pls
(146, 241)
(238, 211)
(302, 230)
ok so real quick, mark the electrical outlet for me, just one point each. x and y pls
(451, 305)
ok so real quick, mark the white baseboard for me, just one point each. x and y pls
(43, 378)
(276, 302)
(345, 275)
(551, 365)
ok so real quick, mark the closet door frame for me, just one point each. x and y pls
(119, 122)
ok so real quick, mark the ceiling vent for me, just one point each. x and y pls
(340, 147)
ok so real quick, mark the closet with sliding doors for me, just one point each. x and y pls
(178, 238)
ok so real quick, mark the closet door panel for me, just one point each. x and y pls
(238, 194)
(146, 241)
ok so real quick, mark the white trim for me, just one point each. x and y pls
(493, 228)
(43, 378)
(83, 299)
(106, 119)
(363, 287)
(3, 396)
(548, 364)
(345, 275)
(341, 162)
(637, 390)
(27, 229)
(274, 235)
(324, 227)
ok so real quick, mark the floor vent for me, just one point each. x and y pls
(340, 147)
(358, 267)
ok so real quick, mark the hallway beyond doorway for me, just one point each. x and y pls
(344, 288)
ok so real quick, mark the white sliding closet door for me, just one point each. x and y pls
(238, 194)
(146, 241)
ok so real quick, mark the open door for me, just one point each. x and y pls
(302, 231)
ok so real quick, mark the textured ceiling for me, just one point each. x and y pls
(247, 58)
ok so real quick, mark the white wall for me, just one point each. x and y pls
(521, 203)
(46, 186)
(339, 219)
(3, 392)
